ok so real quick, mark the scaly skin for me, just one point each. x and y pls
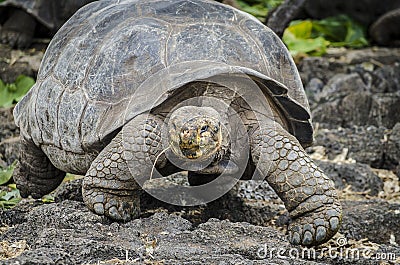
(18, 30)
(308, 194)
(109, 186)
(35, 175)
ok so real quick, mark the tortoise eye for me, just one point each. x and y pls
(204, 128)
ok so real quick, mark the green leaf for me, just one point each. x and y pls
(10, 203)
(12, 186)
(258, 8)
(6, 173)
(6, 98)
(11, 93)
(23, 84)
(301, 29)
(259, 11)
(298, 39)
(9, 199)
(313, 37)
(11, 194)
(341, 31)
(48, 198)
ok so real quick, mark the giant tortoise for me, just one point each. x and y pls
(130, 87)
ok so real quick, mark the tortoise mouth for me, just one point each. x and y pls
(186, 146)
(191, 153)
(199, 151)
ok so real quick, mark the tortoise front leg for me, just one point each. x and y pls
(19, 29)
(308, 194)
(35, 175)
(109, 186)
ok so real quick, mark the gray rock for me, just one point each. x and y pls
(386, 78)
(71, 190)
(347, 100)
(43, 256)
(355, 88)
(381, 63)
(366, 144)
(376, 220)
(377, 55)
(321, 68)
(340, 86)
(314, 89)
(67, 233)
(384, 111)
(359, 176)
(9, 136)
(393, 145)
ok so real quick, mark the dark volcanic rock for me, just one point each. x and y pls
(347, 100)
(371, 145)
(376, 220)
(321, 68)
(70, 190)
(393, 145)
(67, 233)
(386, 79)
(359, 89)
(381, 65)
(359, 176)
(360, 108)
(9, 136)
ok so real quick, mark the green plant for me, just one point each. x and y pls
(6, 173)
(11, 93)
(313, 37)
(258, 8)
(9, 197)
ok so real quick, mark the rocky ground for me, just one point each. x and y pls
(355, 100)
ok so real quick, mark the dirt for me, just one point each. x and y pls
(354, 97)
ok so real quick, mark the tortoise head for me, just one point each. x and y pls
(195, 132)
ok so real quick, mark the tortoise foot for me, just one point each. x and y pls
(18, 30)
(120, 207)
(34, 174)
(37, 185)
(317, 227)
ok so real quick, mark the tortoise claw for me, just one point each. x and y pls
(315, 228)
(120, 208)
